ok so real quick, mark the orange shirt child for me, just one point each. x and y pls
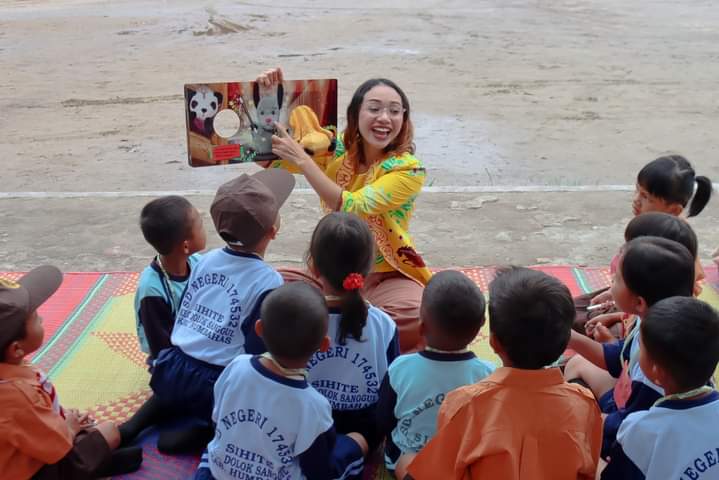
(33, 431)
(515, 424)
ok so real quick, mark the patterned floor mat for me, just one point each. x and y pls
(91, 351)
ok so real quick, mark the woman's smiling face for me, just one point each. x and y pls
(380, 117)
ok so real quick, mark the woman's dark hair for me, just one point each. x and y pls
(658, 224)
(352, 139)
(342, 244)
(672, 179)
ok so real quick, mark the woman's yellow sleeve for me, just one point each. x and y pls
(394, 191)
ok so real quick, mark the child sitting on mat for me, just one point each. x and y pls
(40, 439)
(363, 339)
(667, 184)
(415, 385)
(653, 224)
(523, 421)
(174, 229)
(217, 311)
(677, 436)
(650, 269)
(270, 422)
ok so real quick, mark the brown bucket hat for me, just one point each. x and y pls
(246, 207)
(19, 299)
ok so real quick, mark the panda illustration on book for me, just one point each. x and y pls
(203, 103)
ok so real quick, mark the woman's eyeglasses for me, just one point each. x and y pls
(394, 110)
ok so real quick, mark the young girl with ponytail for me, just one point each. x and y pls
(364, 339)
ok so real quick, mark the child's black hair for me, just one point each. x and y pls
(658, 224)
(681, 335)
(656, 268)
(455, 305)
(672, 179)
(531, 315)
(342, 244)
(294, 321)
(165, 222)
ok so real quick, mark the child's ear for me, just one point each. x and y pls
(325, 345)
(13, 352)
(675, 209)
(186, 247)
(258, 327)
(422, 328)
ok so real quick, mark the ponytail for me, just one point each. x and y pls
(342, 252)
(701, 196)
(354, 316)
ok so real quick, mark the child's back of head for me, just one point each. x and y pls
(664, 225)
(294, 321)
(342, 253)
(168, 222)
(452, 310)
(672, 180)
(654, 268)
(531, 315)
(681, 336)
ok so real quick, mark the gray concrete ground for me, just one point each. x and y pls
(504, 93)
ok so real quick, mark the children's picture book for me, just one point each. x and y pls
(234, 122)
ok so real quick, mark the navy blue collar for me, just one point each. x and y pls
(241, 254)
(265, 372)
(686, 404)
(447, 357)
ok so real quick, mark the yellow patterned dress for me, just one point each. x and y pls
(385, 197)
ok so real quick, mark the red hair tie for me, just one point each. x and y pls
(353, 281)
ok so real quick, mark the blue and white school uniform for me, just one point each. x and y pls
(412, 392)
(349, 375)
(215, 323)
(271, 426)
(644, 392)
(157, 301)
(675, 439)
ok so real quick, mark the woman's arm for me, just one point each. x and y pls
(285, 147)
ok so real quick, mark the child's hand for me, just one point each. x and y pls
(72, 418)
(603, 297)
(87, 421)
(602, 334)
(606, 320)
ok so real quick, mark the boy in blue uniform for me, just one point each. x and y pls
(675, 438)
(174, 229)
(451, 315)
(270, 422)
(650, 269)
(222, 301)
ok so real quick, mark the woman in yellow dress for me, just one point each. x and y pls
(374, 175)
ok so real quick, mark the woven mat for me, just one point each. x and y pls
(91, 351)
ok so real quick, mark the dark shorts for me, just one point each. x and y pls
(184, 384)
(606, 402)
(88, 453)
